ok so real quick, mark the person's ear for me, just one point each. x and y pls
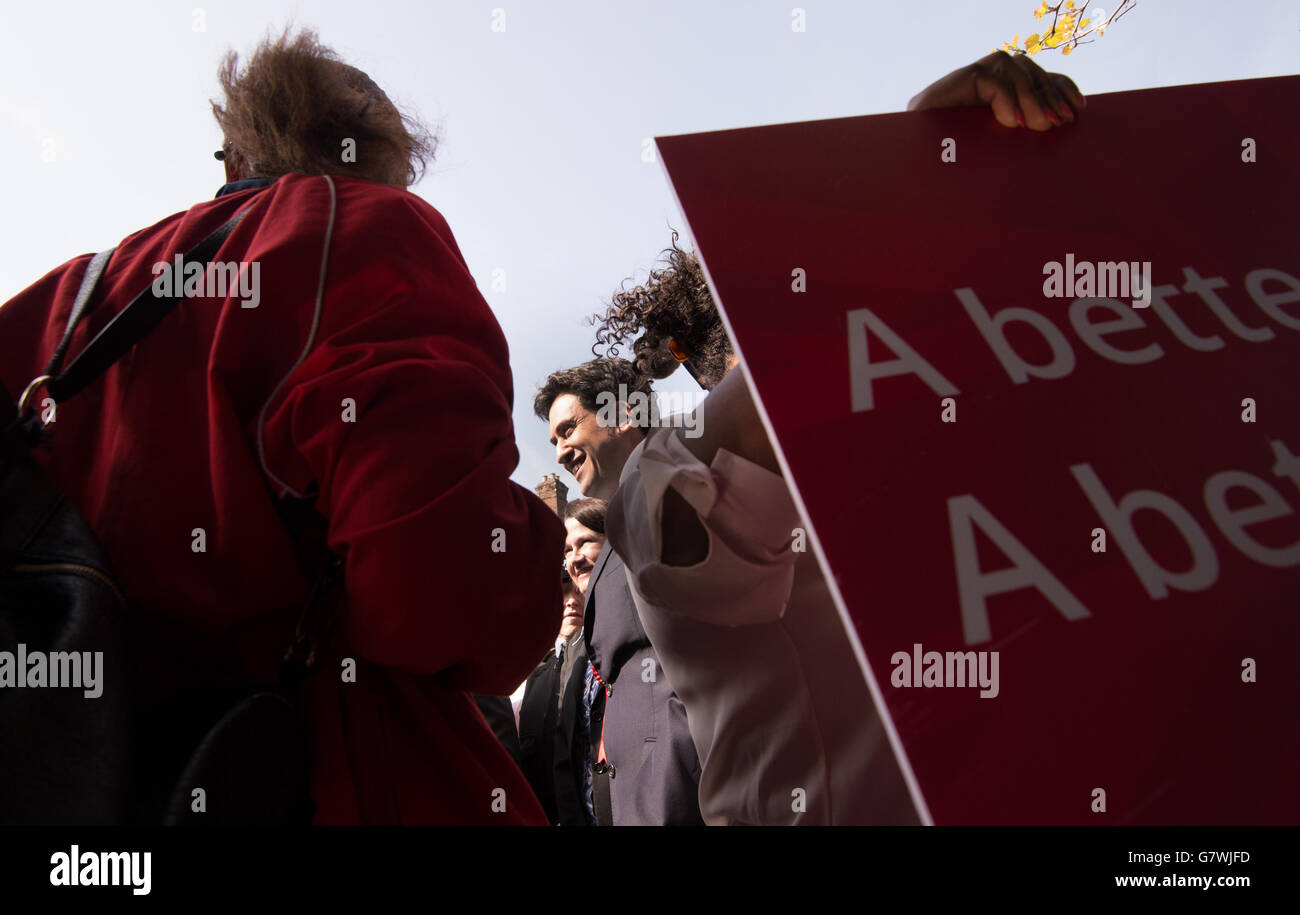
(628, 423)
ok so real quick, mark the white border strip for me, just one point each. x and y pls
(900, 753)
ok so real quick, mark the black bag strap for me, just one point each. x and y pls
(128, 327)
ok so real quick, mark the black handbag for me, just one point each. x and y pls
(67, 758)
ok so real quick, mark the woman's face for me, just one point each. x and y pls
(581, 547)
(571, 621)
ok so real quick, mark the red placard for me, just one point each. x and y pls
(870, 267)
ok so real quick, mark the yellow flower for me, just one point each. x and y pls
(1069, 4)
(1067, 49)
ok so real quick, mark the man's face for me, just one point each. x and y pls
(581, 548)
(594, 455)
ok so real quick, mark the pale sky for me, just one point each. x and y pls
(541, 171)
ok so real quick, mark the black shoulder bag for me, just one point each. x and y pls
(69, 758)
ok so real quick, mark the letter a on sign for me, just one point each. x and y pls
(862, 370)
(1025, 572)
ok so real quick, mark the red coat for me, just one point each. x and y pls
(416, 490)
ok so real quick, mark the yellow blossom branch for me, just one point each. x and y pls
(1068, 27)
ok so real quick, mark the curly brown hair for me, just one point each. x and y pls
(295, 102)
(674, 303)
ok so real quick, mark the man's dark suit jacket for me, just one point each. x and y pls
(553, 742)
(656, 773)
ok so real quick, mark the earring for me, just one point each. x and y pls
(678, 353)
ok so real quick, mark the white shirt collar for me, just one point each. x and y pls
(560, 644)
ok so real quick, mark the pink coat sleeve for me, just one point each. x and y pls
(750, 518)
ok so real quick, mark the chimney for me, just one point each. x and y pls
(553, 493)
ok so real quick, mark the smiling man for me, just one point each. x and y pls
(644, 739)
(587, 445)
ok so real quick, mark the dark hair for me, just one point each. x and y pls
(674, 303)
(294, 103)
(587, 381)
(590, 513)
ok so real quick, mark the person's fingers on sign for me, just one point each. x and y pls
(1020, 92)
